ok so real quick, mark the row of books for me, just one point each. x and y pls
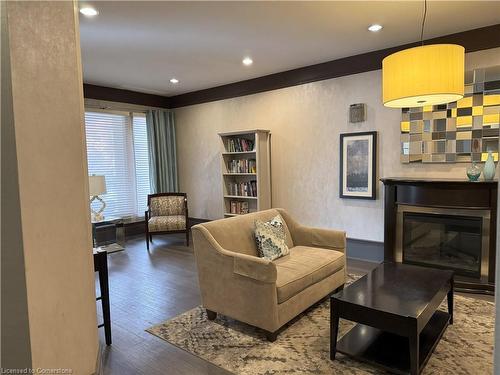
(239, 208)
(243, 189)
(242, 166)
(239, 145)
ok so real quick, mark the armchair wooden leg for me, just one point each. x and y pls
(271, 336)
(187, 237)
(211, 315)
(146, 230)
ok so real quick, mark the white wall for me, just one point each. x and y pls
(50, 195)
(305, 122)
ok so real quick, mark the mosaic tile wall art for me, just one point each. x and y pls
(461, 131)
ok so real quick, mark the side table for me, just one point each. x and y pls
(101, 267)
(118, 225)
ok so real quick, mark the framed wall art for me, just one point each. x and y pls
(358, 165)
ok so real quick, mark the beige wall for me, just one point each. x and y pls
(52, 183)
(16, 352)
(305, 122)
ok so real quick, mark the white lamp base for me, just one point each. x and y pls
(97, 215)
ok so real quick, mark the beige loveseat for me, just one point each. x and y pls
(235, 282)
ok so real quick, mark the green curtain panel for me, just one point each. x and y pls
(162, 151)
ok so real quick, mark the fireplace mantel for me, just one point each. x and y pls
(457, 194)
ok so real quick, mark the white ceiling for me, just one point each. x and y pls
(140, 46)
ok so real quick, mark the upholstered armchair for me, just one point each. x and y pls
(267, 294)
(167, 213)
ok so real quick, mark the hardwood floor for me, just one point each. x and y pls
(147, 288)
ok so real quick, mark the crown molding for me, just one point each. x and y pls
(124, 96)
(472, 40)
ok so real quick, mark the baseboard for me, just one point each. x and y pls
(135, 228)
(368, 250)
(195, 220)
(138, 228)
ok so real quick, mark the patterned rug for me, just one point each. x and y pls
(303, 347)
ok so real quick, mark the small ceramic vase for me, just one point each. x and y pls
(473, 172)
(489, 168)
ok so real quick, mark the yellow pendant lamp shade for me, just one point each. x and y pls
(426, 75)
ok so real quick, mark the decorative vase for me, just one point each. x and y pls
(489, 168)
(473, 172)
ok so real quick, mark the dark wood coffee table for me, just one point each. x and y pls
(396, 308)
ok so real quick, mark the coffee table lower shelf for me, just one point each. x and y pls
(390, 351)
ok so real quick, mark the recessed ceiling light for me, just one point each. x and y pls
(247, 61)
(89, 12)
(374, 28)
(174, 81)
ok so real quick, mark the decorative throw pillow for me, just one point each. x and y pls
(270, 238)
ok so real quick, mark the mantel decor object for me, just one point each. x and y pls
(473, 172)
(489, 168)
(97, 186)
(458, 132)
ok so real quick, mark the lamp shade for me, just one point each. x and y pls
(97, 185)
(426, 75)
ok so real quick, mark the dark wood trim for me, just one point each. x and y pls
(124, 96)
(389, 221)
(471, 40)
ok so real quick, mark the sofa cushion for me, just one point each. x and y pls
(304, 267)
(270, 238)
(166, 223)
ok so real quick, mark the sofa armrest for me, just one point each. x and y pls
(319, 237)
(253, 267)
(259, 269)
(314, 237)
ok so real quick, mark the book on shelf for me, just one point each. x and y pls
(242, 166)
(239, 208)
(239, 145)
(243, 189)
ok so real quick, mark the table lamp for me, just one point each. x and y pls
(97, 186)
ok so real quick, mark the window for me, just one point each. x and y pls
(117, 149)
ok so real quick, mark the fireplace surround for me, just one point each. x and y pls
(443, 223)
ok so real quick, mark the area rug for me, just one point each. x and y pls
(303, 347)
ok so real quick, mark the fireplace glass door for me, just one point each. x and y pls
(443, 241)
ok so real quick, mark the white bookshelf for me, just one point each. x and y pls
(245, 179)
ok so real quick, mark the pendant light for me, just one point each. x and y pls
(424, 75)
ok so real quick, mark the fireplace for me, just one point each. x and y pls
(456, 239)
(448, 224)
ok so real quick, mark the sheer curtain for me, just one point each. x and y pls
(162, 151)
